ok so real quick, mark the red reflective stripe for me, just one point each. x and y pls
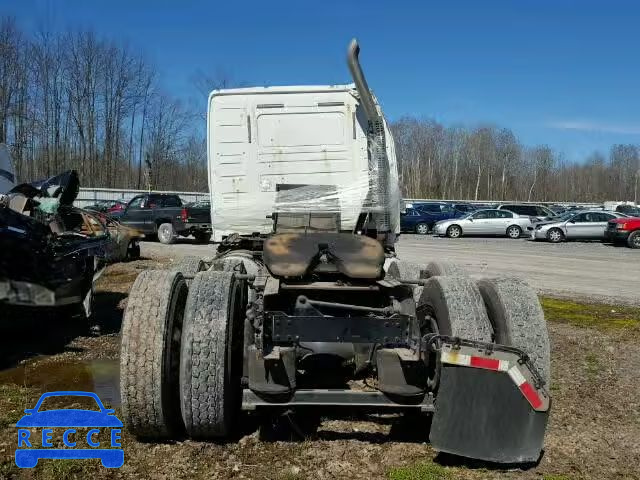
(531, 395)
(488, 363)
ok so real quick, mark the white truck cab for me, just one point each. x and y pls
(312, 142)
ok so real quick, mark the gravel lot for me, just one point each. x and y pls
(584, 270)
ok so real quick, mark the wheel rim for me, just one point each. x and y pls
(554, 235)
(514, 232)
(454, 232)
(163, 233)
(423, 229)
(636, 241)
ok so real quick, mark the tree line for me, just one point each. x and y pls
(77, 100)
(489, 163)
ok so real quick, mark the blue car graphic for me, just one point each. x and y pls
(70, 418)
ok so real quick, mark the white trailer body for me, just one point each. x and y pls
(262, 140)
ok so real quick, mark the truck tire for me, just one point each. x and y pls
(457, 306)
(634, 239)
(518, 320)
(440, 269)
(211, 355)
(401, 270)
(189, 266)
(229, 265)
(149, 350)
(166, 234)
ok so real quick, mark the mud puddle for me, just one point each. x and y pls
(47, 375)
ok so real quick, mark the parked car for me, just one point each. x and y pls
(631, 210)
(164, 215)
(464, 207)
(624, 230)
(525, 209)
(421, 217)
(112, 207)
(590, 224)
(484, 222)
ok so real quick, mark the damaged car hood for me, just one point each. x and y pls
(64, 187)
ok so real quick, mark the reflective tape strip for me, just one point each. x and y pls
(490, 363)
(485, 363)
(455, 358)
(525, 387)
(516, 376)
(531, 395)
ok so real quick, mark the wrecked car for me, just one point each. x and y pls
(51, 253)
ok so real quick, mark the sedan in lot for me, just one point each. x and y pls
(484, 222)
(421, 217)
(589, 225)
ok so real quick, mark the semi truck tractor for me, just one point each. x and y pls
(304, 305)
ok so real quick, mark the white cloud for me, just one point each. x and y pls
(596, 127)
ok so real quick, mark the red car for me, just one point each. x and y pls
(625, 230)
(117, 207)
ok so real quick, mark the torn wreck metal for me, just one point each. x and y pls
(50, 252)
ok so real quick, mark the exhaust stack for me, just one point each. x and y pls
(361, 83)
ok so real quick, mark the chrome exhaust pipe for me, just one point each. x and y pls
(361, 83)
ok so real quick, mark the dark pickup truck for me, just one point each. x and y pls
(164, 215)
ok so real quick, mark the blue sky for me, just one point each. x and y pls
(563, 73)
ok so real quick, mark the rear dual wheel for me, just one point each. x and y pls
(502, 310)
(181, 354)
(149, 354)
(211, 354)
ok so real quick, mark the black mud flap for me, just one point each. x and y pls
(482, 414)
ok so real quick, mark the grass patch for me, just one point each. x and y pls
(13, 400)
(420, 471)
(556, 477)
(601, 316)
(68, 468)
(593, 366)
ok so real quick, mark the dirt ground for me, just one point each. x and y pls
(593, 430)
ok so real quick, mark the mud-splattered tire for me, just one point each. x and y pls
(457, 306)
(189, 266)
(229, 265)
(211, 355)
(149, 354)
(439, 269)
(518, 320)
(406, 271)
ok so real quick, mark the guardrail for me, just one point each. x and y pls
(88, 196)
